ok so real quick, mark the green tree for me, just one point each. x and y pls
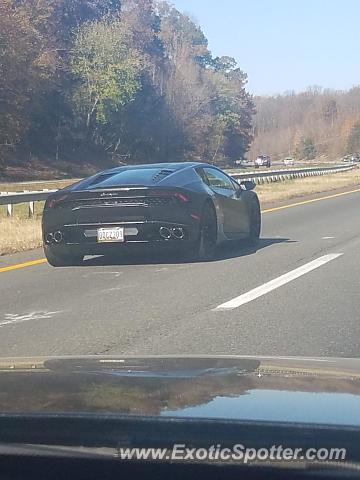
(235, 107)
(353, 142)
(330, 111)
(308, 149)
(135, 78)
(20, 73)
(51, 129)
(107, 69)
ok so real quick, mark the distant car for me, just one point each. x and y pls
(355, 157)
(187, 206)
(263, 161)
(289, 161)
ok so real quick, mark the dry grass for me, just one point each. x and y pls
(17, 234)
(49, 184)
(276, 192)
(21, 233)
(21, 210)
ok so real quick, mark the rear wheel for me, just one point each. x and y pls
(255, 221)
(204, 248)
(206, 245)
(56, 260)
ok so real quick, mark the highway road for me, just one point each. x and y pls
(298, 294)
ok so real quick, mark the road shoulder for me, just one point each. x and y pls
(306, 198)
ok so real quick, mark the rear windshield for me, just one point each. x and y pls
(136, 176)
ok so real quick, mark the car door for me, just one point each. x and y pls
(231, 200)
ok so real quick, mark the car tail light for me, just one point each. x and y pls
(50, 203)
(166, 193)
(54, 202)
(183, 198)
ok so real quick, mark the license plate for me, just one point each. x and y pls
(110, 234)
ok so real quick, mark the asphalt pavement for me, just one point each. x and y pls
(297, 294)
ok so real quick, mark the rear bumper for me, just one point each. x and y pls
(82, 238)
(120, 249)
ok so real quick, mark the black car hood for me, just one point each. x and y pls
(318, 390)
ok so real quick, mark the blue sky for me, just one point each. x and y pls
(284, 44)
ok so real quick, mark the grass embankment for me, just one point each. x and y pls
(21, 233)
(280, 191)
(21, 186)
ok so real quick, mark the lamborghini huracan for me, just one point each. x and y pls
(190, 207)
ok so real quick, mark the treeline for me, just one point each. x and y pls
(307, 125)
(126, 80)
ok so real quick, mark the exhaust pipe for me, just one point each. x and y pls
(178, 232)
(165, 233)
(49, 238)
(58, 237)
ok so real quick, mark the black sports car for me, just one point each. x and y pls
(189, 206)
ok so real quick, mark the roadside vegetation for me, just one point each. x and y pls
(316, 123)
(21, 186)
(280, 191)
(19, 234)
(112, 81)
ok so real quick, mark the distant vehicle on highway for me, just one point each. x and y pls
(262, 161)
(243, 163)
(288, 161)
(188, 206)
(355, 157)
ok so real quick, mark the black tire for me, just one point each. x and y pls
(206, 245)
(62, 260)
(255, 220)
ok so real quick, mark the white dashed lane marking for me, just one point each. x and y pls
(277, 282)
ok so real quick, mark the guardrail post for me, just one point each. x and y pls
(31, 209)
(9, 209)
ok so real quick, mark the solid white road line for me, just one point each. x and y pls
(277, 282)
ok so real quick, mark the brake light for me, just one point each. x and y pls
(166, 193)
(53, 202)
(50, 203)
(183, 198)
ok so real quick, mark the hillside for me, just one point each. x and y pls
(113, 81)
(314, 123)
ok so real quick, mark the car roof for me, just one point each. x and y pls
(146, 175)
(174, 166)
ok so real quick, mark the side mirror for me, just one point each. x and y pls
(248, 184)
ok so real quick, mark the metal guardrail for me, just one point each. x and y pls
(267, 176)
(11, 198)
